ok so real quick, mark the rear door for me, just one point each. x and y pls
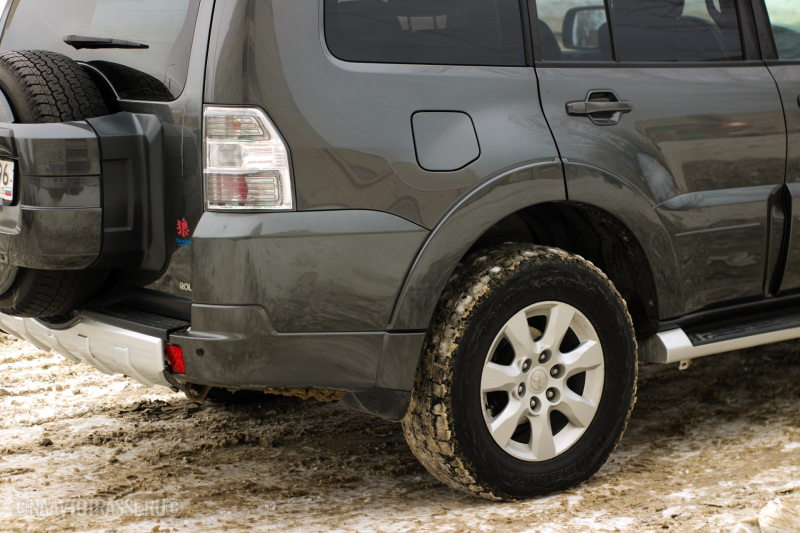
(670, 98)
(781, 44)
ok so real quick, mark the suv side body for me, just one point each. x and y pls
(662, 180)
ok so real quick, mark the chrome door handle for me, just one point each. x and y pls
(600, 102)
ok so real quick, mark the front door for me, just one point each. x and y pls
(664, 100)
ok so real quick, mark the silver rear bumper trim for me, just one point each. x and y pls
(110, 349)
(674, 346)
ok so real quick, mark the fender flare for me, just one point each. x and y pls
(519, 188)
(491, 201)
(593, 186)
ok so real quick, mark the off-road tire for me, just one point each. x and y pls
(136, 84)
(46, 87)
(445, 427)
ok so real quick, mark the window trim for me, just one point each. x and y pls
(652, 64)
(612, 34)
(749, 34)
(527, 31)
(748, 25)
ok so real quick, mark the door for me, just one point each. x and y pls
(667, 101)
(781, 45)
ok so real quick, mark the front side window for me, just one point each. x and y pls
(677, 30)
(434, 32)
(784, 15)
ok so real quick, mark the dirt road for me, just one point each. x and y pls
(81, 451)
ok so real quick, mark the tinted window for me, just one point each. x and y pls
(166, 26)
(439, 32)
(677, 30)
(785, 18)
(573, 31)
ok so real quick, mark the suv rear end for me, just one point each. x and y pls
(213, 256)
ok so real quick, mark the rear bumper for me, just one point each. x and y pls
(235, 347)
(110, 349)
(238, 347)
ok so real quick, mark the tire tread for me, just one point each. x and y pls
(55, 89)
(428, 425)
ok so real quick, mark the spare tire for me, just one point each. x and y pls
(46, 87)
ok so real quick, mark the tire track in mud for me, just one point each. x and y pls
(704, 447)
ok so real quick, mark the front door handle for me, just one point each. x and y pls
(604, 108)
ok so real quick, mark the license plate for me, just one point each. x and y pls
(6, 181)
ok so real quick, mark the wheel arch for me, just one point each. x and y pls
(462, 226)
(604, 220)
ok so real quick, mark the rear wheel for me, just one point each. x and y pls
(528, 375)
(46, 87)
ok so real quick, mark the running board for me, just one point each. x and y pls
(675, 345)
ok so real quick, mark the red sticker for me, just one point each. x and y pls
(183, 228)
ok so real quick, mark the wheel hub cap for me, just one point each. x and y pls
(538, 380)
(537, 413)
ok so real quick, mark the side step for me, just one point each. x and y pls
(674, 346)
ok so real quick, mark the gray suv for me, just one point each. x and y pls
(471, 216)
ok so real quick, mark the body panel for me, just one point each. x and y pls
(787, 76)
(315, 271)
(716, 132)
(720, 235)
(183, 201)
(241, 349)
(351, 137)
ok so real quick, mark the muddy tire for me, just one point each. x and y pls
(528, 375)
(46, 87)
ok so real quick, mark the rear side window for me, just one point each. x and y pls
(435, 32)
(677, 30)
(573, 31)
(643, 30)
(165, 26)
(784, 15)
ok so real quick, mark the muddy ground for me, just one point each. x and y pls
(705, 447)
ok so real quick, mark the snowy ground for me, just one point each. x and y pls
(81, 451)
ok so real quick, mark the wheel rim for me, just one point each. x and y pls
(542, 381)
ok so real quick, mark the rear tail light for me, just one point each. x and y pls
(247, 162)
(175, 355)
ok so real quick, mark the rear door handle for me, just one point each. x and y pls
(588, 108)
(608, 103)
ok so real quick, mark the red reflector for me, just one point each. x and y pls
(175, 354)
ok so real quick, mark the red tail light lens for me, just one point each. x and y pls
(246, 161)
(175, 355)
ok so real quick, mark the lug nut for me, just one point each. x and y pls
(550, 394)
(521, 389)
(545, 356)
